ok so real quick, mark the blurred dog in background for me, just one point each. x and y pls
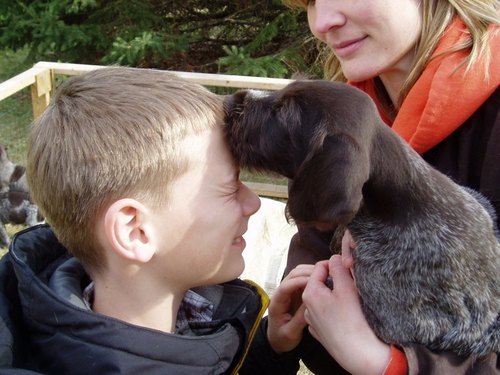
(16, 206)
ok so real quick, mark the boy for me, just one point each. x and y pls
(132, 172)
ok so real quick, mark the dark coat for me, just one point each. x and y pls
(470, 156)
(46, 328)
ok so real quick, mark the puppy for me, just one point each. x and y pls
(16, 206)
(12, 176)
(427, 261)
(6, 169)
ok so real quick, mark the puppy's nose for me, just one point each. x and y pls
(234, 101)
(228, 104)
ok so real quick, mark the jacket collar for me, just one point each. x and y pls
(55, 321)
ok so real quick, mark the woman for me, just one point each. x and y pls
(433, 69)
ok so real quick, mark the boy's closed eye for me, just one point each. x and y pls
(232, 187)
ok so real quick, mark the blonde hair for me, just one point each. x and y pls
(436, 16)
(112, 133)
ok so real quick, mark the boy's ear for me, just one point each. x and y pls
(127, 230)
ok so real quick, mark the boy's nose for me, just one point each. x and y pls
(325, 15)
(250, 200)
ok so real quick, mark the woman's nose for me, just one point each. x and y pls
(324, 15)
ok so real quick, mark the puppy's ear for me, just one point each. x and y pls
(328, 185)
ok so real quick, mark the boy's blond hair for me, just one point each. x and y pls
(108, 134)
(478, 15)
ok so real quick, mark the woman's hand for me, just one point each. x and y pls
(336, 320)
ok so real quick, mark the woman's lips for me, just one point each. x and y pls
(347, 47)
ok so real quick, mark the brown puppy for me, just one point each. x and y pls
(427, 259)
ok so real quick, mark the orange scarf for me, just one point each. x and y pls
(444, 97)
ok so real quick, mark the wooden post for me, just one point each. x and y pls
(41, 91)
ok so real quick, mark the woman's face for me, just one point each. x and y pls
(369, 37)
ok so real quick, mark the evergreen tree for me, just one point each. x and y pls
(260, 38)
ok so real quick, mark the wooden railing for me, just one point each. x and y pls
(41, 79)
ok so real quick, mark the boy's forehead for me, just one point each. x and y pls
(210, 163)
(209, 148)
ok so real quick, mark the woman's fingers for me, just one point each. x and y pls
(348, 245)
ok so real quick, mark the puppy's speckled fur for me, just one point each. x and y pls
(427, 261)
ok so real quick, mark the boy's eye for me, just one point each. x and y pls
(237, 187)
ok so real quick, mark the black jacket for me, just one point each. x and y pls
(45, 326)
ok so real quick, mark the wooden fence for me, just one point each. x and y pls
(41, 79)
